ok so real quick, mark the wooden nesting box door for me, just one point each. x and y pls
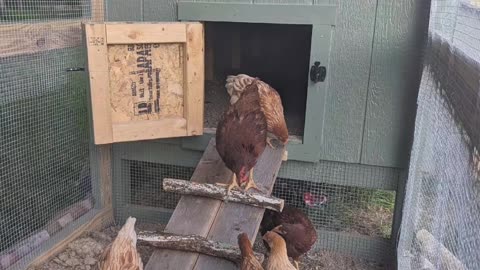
(146, 80)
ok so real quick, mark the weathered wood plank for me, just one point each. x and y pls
(194, 84)
(193, 215)
(214, 219)
(233, 219)
(20, 39)
(102, 219)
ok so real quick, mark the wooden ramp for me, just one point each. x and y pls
(214, 219)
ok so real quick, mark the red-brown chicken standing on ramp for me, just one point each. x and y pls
(241, 138)
(270, 102)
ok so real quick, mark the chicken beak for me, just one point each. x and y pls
(278, 229)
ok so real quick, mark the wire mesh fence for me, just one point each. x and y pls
(352, 212)
(441, 212)
(45, 178)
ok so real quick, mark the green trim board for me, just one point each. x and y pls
(321, 17)
(257, 13)
(316, 100)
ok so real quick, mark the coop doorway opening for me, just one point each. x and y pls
(278, 54)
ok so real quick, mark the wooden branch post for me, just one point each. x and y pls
(217, 192)
(193, 243)
(436, 251)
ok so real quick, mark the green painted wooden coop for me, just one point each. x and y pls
(348, 73)
(351, 127)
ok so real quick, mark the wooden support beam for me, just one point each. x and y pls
(98, 10)
(193, 243)
(99, 221)
(18, 39)
(217, 192)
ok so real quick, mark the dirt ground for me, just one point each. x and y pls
(84, 253)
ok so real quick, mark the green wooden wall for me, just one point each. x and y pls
(373, 78)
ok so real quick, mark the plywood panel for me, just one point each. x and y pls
(146, 81)
(395, 76)
(348, 81)
(143, 89)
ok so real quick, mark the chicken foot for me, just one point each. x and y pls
(295, 263)
(251, 183)
(233, 184)
(269, 142)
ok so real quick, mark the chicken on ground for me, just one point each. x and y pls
(122, 254)
(278, 258)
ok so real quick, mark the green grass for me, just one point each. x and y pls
(373, 215)
(381, 198)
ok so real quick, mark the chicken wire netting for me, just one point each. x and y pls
(441, 213)
(45, 179)
(346, 217)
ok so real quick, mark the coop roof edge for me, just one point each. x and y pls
(258, 13)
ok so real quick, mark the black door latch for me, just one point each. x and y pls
(317, 72)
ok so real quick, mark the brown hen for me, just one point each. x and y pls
(122, 253)
(278, 258)
(241, 138)
(270, 102)
(249, 262)
(294, 226)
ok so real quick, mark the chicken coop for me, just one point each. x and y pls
(101, 100)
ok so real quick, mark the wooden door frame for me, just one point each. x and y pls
(322, 18)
